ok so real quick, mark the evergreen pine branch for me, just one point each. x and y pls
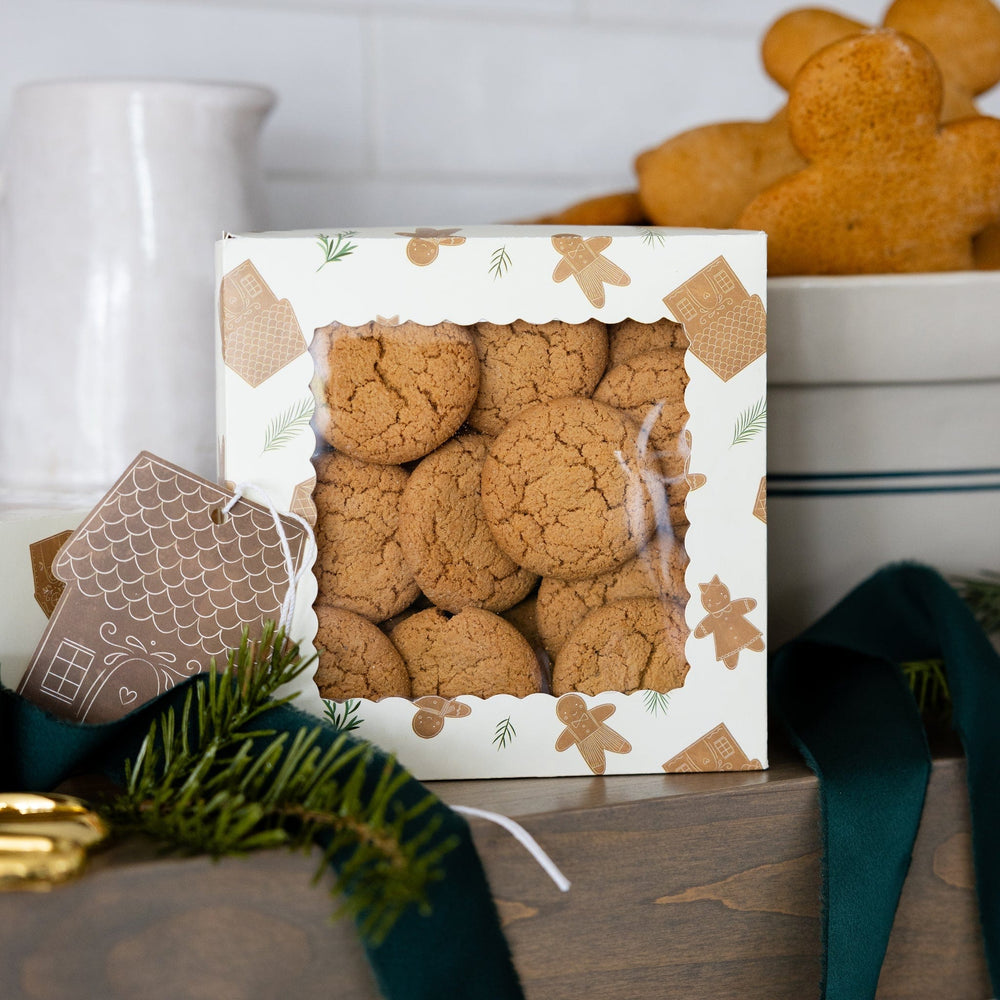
(504, 734)
(335, 248)
(750, 422)
(499, 262)
(216, 782)
(652, 238)
(655, 702)
(284, 427)
(929, 684)
(982, 594)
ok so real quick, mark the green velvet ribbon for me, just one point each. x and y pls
(423, 957)
(840, 693)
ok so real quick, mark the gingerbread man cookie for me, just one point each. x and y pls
(885, 190)
(726, 623)
(587, 730)
(623, 208)
(584, 260)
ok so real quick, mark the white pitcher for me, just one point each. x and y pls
(113, 194)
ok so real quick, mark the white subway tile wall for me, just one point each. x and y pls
(431, 112)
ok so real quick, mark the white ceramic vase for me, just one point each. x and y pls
(114, 192)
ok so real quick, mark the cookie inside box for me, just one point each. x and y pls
(500, 508)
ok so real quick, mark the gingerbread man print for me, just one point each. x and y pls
(432, 710)
(584, 260)
(586, 729)
(727, 624)
(423, 247)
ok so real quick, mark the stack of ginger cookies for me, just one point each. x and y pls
(500, 508)
(880, 161)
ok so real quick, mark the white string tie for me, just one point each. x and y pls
(294, 576)
(524, 839)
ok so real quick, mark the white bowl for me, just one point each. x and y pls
(884, 432)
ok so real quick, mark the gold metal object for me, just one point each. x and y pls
(33, 862)
(24, 803)
(44, 838)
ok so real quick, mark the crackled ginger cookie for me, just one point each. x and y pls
(650, 389)
(444, 536)
(657, 571)
(629, 338)
(523, 363)
(474, 653)
(566, 490)
(635, 644)
(392, 394)
(885, 190)
(356, 659)
(359, 563)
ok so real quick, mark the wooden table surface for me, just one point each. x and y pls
(696, 887)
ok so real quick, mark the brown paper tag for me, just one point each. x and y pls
(158, 581)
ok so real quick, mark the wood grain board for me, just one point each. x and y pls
(701, 887)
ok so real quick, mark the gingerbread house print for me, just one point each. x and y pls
(715, 751)
(158, 580)
(725, 325)
(260, 333)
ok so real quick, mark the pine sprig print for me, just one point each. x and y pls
(655, 702)
(504, 734)
(651, 238)
(499, 262)
(335, 248)
(284, 427)
(343, 718)
(750, 423)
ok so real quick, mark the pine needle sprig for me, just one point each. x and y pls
(982, 594)
(750, 422)
(499, 262)
(655, 702)
(217, 781)
(335, 248)
(284, 427)
(929, 683)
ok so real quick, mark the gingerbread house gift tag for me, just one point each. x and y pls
(158, 580)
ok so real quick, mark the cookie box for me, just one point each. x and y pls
(534, 463)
